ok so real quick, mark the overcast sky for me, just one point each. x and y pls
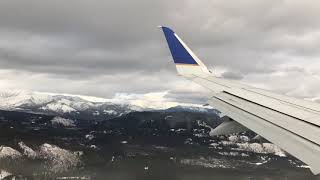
(100, 48)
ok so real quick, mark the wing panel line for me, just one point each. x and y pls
(271, 109)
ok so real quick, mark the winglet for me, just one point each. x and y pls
(186, 61)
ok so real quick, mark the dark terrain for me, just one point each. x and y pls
(170, 144)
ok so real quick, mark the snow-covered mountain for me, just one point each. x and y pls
(46, 102)
(84, 106)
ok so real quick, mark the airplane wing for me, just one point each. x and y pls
(290, 123)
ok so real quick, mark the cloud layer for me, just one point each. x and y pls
(101, 48)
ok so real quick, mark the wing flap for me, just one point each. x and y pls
(228, 127)
(286, 122)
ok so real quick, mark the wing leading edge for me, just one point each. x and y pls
(292, 124)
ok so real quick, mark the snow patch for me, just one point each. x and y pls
(207, 163)
(214, 144)
(226, 143)
(235, 139)
(89, 137)
(4, 174)
(264, 148)
(58, 159)
(242, 143)
(304, 166)
(9, 153)
(59, 121)
(234, 154)
(61, 108)
(27, 151)
(96, 113)
(93, 146)
(73, 178)
(110, 112)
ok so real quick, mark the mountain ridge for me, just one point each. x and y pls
(77, 106)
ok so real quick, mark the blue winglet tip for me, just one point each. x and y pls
(165, 28)
(179, 54)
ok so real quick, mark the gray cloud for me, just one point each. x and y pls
(103, 47)
(232, 75)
